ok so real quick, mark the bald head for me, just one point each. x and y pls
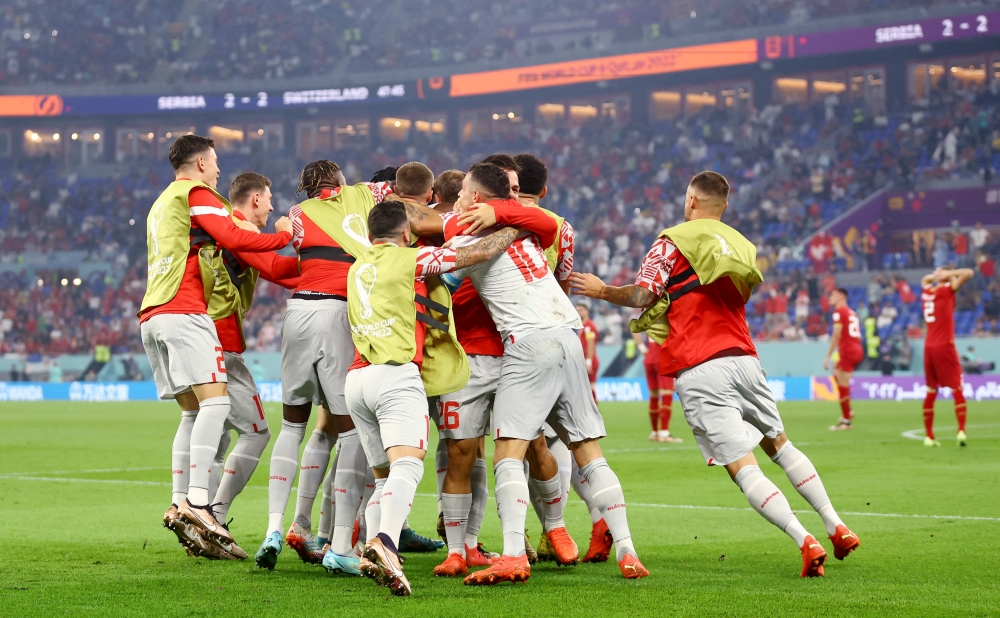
(707, 197)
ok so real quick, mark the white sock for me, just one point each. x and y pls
(373, 510)
(608, 497)
(284, 465)
(511, 492)
(456, 519)
(362, 520)
(238, 469)
(205, 437)
(477, 511)
(441, 466)
(312, 470)
(582, 489)
(564, 458)
(765, 498)
(551, 500)
(327, 505)
(180, 457)
(802, 473)
(348, 489)
(218, 465)
(397, 495)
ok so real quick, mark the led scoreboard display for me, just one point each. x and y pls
(931, 30)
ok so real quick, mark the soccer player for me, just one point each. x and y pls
(941, 364)
(661, 390)
(390, 313)
(446, 188)
(543, 377)
(183, 228)
(464, 416)
(847, 339)
(588, 338)
(694, 284)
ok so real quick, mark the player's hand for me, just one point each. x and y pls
(479, 217)
(826, 363)
(590, 364)
(284, 224)
(586, 284)
(246, 225)
(643, 349)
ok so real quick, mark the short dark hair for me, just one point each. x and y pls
(448, 184)
(532, 174)
(386, 174)
(186, 147)
(414, 178)
(712, 184)
(842, 291)
(490, 180)
(504, 162)
(386, 220)
(246, 184)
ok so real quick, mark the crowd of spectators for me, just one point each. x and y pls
(618, 181)
(117, 41)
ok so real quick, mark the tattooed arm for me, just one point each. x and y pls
(424, 221)
(585, 284)
(486, 249)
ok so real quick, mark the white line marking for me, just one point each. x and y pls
(92, 471)
(919, 434)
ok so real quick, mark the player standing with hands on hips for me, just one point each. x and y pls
(694, 285)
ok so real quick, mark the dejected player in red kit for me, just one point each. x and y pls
(588, 337)
(846, 339)
(661, 391)
(941, 364)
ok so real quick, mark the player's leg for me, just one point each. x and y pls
(478, 478)
(180, 453)
(601, 540)
(456, 499)
(960, 414)
(931, 379)
(546, 481)
(312, 470)
(440, 464)
(949, 373)
(327, 505)
(218, 466)
(299, 387)
(404, 426)
(842, 377)
(714, 405)
(653, 383)
(666, 410)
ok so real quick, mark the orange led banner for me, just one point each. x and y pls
(609, 67)
(31, 105)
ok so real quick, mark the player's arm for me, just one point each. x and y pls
(486, 249)
(424, 221)
(838, 331)
(208, 214)
(591, 286)
(512, 213)
(564, 263)
(958, 277)
(278, 269)
(640, 342)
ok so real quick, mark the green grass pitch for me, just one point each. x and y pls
(83, 488)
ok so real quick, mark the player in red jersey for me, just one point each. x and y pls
(661, 391)
(847, 339)
(588, 337)
(941, 364)
(708, 348)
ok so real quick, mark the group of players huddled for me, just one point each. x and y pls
(419, 299)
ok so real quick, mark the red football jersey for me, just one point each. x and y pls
(850, 336)
(939, 314)
(588, 333)
(476, 331)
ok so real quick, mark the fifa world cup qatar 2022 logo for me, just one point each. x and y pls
(364, 281)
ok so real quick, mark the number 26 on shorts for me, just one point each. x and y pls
(448, 413)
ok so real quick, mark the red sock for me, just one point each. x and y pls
(654, 411)
(929, 414)
(960, 409)
(666, 407)
(845, 407)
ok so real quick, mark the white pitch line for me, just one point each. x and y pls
(93, 471)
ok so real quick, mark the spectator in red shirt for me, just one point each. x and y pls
(960, 244)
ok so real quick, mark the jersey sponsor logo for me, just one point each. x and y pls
(364, 281)
(355, 226)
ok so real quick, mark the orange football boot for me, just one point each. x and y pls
(453, 566)
(600, 543)
(504, 569)
(631, 568)
(813, 557)
(844, 542)
(476, 557)
(564, 547)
